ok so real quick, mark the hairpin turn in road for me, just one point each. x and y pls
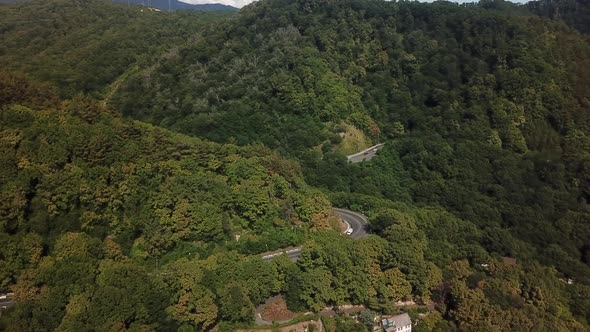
(356, 221)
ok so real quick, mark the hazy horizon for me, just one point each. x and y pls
(242, 3)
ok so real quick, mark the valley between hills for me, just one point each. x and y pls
(342, 165)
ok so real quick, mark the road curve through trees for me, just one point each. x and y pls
(355, 220)
(365, 155)
(6, 300)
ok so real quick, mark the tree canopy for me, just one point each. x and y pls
(148, 158)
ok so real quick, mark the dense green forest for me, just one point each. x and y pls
(91, 189)
(84, 46)
(484, 109)
(149, 157)
(575, 13)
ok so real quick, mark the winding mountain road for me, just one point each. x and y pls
(365, 155)
(6, 300)
(355, 220)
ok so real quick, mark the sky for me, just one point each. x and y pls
(241, 3)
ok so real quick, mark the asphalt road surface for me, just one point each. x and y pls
(364, 155)
(6, 301)
(292, 253)
(357, 222)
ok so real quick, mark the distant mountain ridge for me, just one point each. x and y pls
(178, 5)
(165, 5)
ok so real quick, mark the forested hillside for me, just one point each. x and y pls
(288, 73)
(478, 203)
(109, 224)
(575, 13)
(80, 184)
(84, 46)
(485, 109)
